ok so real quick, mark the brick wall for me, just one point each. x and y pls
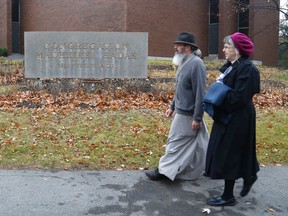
(227, 24)
(162, 19)
(6, 25)
(71, 15)
(165, 19)
(264, 32)
(263, 29)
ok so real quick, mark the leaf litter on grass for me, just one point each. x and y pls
(114, 127)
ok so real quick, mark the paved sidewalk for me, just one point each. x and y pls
(130, 193)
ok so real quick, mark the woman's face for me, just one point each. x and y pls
(230, 52)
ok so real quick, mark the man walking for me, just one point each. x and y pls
(188, 137)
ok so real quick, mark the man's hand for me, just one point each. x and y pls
(169, 113)
(196, 125)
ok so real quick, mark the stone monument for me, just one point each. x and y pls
(86, 54)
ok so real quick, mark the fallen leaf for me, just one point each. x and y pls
(271, 210)
(206, 210)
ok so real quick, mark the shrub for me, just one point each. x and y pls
(3, 52)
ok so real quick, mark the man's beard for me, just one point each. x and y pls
(178, 58)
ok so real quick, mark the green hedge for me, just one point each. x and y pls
(3, 52)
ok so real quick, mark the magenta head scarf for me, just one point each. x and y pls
(243, 43)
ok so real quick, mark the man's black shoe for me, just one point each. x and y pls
(155, 175)
(247, 186)
(218, 201)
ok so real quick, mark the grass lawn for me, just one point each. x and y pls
(272, 136)
(131, 139)
(115, 129)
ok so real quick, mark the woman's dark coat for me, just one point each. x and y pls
(231, 150)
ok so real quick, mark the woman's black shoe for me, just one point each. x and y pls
(247, 186)
(218, 201)
(155, 175)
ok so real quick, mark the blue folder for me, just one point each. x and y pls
(215, 96)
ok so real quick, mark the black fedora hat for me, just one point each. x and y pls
(186, 38)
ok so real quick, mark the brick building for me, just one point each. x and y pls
(209, 20)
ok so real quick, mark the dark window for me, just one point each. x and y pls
(214, 11)
(15, 11)
(244, 31)
(243, 16)
(213, 26)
